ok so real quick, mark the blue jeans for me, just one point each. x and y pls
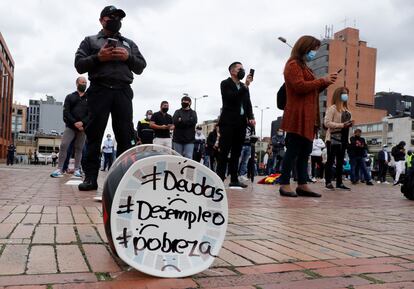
(206, 160)
(184, 149)
(358, 165)
(244, 159)
(297, 148)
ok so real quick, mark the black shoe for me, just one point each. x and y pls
(329, 186)
(354, 182)
(369, 183)
(287, 194)
(303, 193)
(88, 185)
(342, 187)
(237, 184)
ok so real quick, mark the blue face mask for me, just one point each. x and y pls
(310, 55)
(344, 97)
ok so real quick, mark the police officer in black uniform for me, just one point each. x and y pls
(144, 131)
(109, 58)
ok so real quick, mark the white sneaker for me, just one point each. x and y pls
(313, 180)
(387, 183)
(243, 178)
(378, 182)
(77, 174)
(56, 174)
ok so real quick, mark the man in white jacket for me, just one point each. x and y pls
(316, 158)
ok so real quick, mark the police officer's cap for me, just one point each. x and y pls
(112, 10)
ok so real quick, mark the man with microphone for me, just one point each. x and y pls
(236, 114)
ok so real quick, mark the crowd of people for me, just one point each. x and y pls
(296, 151)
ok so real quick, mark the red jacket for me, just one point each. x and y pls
(301, 114)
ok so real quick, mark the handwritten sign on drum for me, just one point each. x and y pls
(169, 216)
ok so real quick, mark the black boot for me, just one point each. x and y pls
(89, 184)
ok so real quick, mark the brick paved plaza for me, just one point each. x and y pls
(51, 236)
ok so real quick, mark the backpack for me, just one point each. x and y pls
(281, 97)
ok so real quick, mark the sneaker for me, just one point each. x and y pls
(342, 187)
(387, 183)
(378, 182)
(237, 185)
(369, 183)
(313, 180)
(243, 178)
(77, 174)
(329, 186)
(56, 174)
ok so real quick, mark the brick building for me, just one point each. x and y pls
(358, 63)
(6, 96)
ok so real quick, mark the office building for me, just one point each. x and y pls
(45, 116)
(6, 97)
(396, 104)
(348, 52)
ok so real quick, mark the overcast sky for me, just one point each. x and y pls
(188, 45)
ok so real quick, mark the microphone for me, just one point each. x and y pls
(284, 41)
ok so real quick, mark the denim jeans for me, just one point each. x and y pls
(206, 160)
(297, 148)
(244, 159)
(184, 149)
(358, 165)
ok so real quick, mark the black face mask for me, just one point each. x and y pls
(113, 25)
(81, 87)
(185, 104)
(164, 109)
(241, 74)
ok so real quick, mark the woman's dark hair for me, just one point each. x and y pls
(302, 46)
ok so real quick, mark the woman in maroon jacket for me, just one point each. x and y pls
(301, 116)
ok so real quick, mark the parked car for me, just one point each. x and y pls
(44, 158)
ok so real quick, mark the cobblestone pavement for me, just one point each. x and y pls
(51, 236)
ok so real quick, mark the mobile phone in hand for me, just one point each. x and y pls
(251, 72)
(112, 42)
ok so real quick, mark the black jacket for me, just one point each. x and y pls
(357, 147)
(398, 152)
(75, 109)
(111, 72)
(233, 99)
(381, 155)
(184, 122)
(211, 141)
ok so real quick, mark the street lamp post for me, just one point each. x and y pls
(195, 99)
(261, 126)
